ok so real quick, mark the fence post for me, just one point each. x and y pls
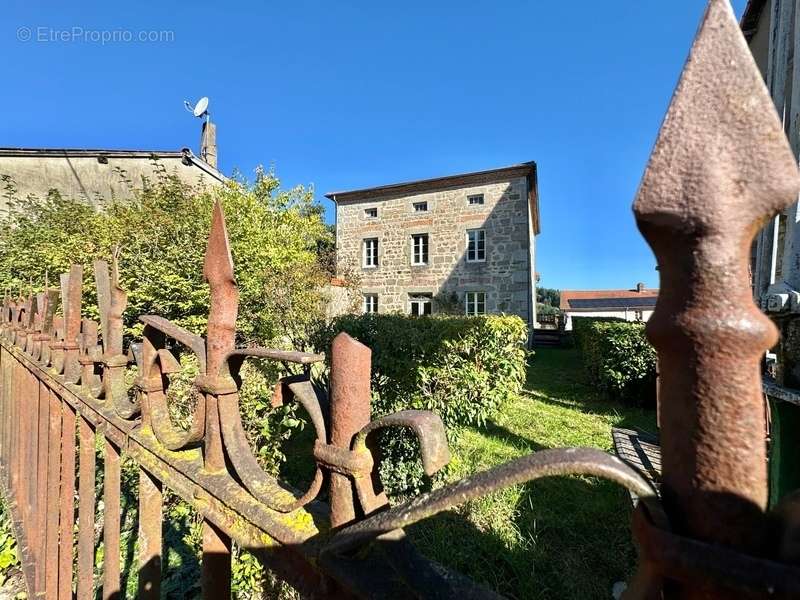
(221, 339)
(350, 412)
(720, 167)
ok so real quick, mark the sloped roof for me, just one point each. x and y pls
(608, 299)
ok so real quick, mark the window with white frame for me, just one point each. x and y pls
(475, 199)
(419, 249)
(476, 245)
(371, 213)
(475, 303)
(370, 303)
(370, 253)
(420, 206)
(420, 304)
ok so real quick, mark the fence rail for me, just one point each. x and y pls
(720, 167)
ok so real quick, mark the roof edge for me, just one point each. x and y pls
(431, 183)
(183, 153)
(90, 152)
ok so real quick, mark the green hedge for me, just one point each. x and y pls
(462, 368)
(617, 358)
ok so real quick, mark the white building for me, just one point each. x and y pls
(631, 305)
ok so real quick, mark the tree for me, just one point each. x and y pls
(549, 296)
(161, 235)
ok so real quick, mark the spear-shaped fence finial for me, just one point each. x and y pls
(218, 272)
(720, 168)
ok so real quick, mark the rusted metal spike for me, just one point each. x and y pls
(72, 322)
(220, 340)
(119, 300)
(111, 300)
(64, 281)
(218, 271)
(102, 281)
(72, 315)
(721, 166)
(51, 302)
(41, 306)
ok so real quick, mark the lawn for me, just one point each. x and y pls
(565, 537)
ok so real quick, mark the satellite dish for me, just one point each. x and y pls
(201, 107)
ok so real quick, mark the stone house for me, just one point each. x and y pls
(457, 243)
(636, 304)
(94, 174)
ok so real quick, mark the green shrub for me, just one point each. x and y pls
(617, 358)
(9, 553)
(461, 368)
(161, 234)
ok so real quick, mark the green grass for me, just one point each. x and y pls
(565, 537)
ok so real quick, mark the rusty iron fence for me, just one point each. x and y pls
(720, 168)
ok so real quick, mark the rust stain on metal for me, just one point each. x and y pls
(150, 503)
(720, 167)
(86, 507)
(66, 503)
(53, 512)
(41, 484)
(220, 340)
(111, 522)
(218, 272)
(150, 382)
(72, 323)
(350, 412)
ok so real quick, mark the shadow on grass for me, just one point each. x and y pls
(555, 376)
(562, 537)
(570, 539)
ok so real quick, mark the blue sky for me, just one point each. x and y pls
(344, 95)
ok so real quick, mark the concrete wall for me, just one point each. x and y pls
(627, 315)
(86, 177)
(506, 276)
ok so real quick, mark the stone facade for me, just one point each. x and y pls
(508, 216)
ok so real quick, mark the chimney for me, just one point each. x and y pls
(208, 143)
(640, 287)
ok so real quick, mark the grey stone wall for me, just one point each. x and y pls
(506, 276)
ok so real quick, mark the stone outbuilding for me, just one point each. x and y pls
(461, 243)
(94, 174)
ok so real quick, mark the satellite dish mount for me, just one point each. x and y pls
(208, 139)
(200, 108)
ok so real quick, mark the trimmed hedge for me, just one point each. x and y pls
(462, 368)
(617, 358)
